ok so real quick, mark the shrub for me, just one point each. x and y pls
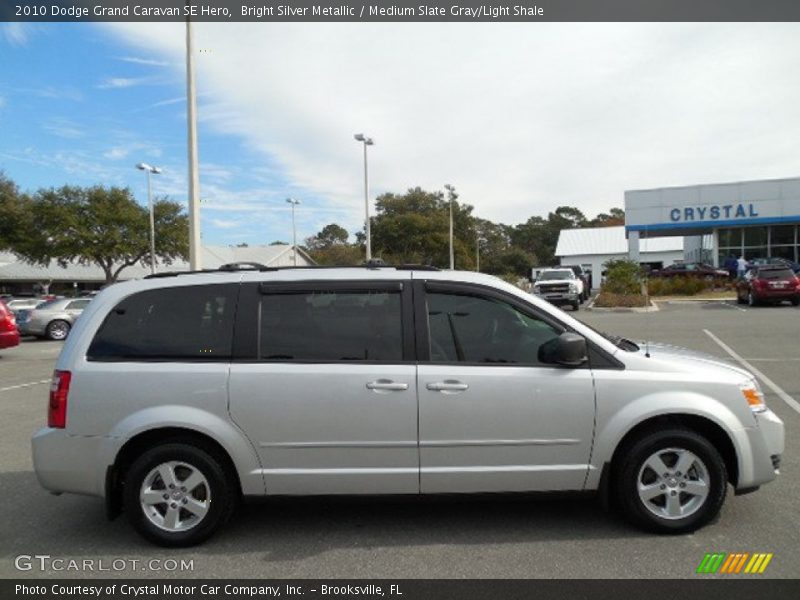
(622, 277)
(607, 300)
(677, 286)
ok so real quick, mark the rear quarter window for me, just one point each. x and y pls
(178, 323)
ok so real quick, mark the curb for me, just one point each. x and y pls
(623, 309)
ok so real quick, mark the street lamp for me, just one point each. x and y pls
(450, 189)
(367, 141)
(155, 171)
(195, 251)
(294, 203)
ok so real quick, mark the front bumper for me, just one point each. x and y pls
(71, 463)
(558, 297)
(766, 440)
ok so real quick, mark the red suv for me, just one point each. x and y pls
(9, 335)
(768, 284)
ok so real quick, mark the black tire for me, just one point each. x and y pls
(796, 301)
(57, 330)
(221, 500)
(576, 306)
(632, 464)
(751, 299)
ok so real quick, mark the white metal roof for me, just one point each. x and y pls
(610, 240)
(14, 269)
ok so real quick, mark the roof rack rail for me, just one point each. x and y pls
(253, 266)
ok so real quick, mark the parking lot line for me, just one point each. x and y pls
(23, 385)
(767, 381)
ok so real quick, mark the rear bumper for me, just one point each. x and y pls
(9, 339)
(70, 463)
(776, 294)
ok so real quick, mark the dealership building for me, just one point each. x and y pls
(748, 218)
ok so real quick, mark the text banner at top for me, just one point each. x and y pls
(399, 11)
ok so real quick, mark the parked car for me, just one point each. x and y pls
(586, 280)
(177, 396)
(691, 269)
(775, 261)
(54, 319)
(768, 284)
(19, 304)
(560, 286)
(9, 335)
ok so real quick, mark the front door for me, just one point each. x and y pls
(492, 416)
(330, 399)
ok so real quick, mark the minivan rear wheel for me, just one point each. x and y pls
(671, 481)
(177, 495)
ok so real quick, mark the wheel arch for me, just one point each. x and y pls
(150, 438)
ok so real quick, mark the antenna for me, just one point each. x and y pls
(646, 302)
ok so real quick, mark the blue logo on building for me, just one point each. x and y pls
(714, 212)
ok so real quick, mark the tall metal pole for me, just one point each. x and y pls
(294, 203)
(449, 189)
(152, 226)
(195, 251)
(477, 250)
(366, 205)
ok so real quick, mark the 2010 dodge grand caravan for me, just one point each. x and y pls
(174, 397)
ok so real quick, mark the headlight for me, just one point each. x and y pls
(755, 398)
(573, 287)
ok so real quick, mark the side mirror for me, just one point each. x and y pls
(568, 349)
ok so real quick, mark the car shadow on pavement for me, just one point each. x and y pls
(289, 529)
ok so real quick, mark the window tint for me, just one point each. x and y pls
(483, 330)
(331, 326)
(775, 274)
(192, 322)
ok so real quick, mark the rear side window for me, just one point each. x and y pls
(331, 326)
(179, 323)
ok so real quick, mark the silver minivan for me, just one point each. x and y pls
(177, 396)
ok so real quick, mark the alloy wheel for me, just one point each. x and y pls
(175, 496)
(673, 483)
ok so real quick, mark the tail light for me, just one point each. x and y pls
(760, 284)
(7, 320)
(57, 407)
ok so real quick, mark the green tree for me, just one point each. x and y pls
(331, 235)
(614, 217)
(414, 228)
(101, 226)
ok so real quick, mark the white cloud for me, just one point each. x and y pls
(122, 82)
(63, 128)
(16, 34)
(520, 118)
(117, 153)
(144, 61)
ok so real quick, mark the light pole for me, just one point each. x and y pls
(155, 171)
(477, 250)
(294, 203)
(451, 196)
(195, 254)
(366, 141)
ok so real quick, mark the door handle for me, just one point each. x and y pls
(447, 386)
(387, 385)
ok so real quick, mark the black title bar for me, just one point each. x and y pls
(399, 11)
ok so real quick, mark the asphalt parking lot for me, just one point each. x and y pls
(493, 537)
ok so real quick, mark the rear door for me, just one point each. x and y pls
(492, 416)
(324, 385)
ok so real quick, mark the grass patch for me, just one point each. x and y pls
(611, 300)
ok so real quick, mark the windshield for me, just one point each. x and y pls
(556, 275)
(776, 274)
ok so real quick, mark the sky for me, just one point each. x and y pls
(520, 118)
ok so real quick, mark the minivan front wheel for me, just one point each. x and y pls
(177, 495)
(672, 481)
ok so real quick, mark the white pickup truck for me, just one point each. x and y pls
(559, 287)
